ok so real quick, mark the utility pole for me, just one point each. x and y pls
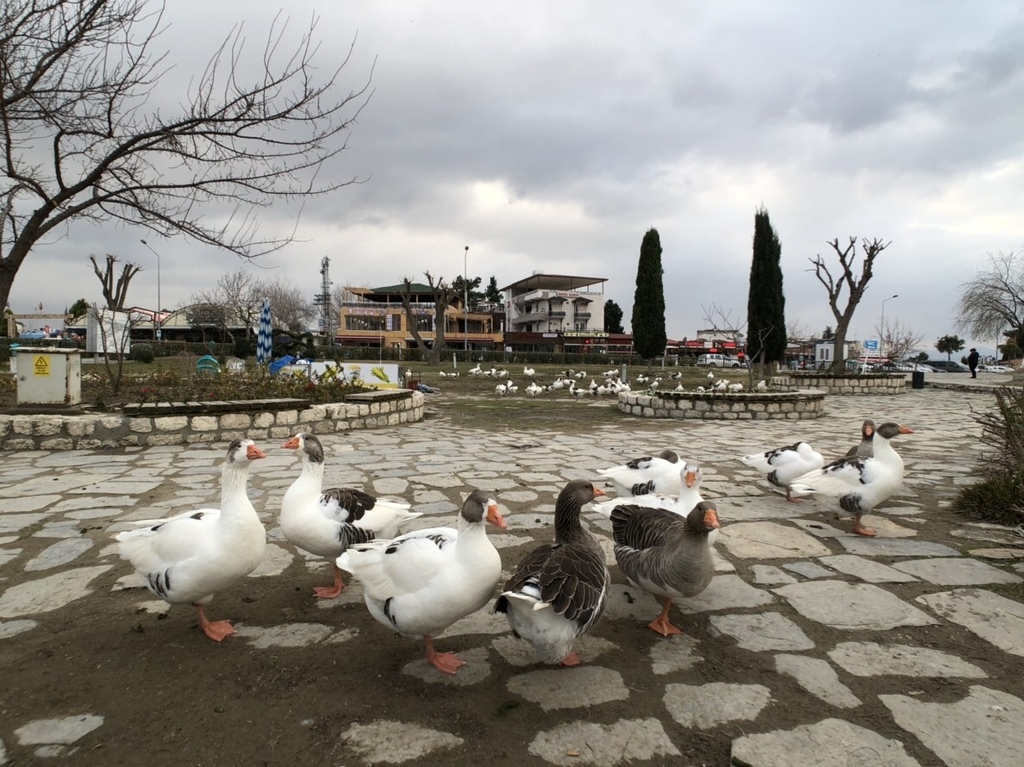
(465, 302)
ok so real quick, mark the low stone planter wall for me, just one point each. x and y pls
(97, 430)
(881, 383)
(755, 406)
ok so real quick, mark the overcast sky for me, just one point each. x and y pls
(549, 136)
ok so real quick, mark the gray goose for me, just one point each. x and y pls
(558, 591)
(866, 447)
(665, 554)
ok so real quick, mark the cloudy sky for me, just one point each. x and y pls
(549, 136)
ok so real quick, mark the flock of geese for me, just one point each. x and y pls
(419, 583)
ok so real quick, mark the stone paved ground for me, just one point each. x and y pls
(812, 646)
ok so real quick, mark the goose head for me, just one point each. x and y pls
(308, 445)
(703, 518)
(479, 508)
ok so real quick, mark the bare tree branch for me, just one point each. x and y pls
(76, 77)
(992, 303)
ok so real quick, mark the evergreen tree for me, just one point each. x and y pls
(766, 303)
(949, 345)
(612, 317)
(493, 295)
(649, 336)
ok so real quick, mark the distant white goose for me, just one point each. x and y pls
(782, 465)
(189, 557)
(860, 483)
(648, 474)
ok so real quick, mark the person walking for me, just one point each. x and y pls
(972, 362)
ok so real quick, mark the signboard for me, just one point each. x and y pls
(41, 366)
(871, 345)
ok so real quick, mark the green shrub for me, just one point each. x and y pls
(999, 496)
(142, 353)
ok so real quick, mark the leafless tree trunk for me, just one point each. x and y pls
(114, 340)
(846, 280)
(292, 310)
(115, 294)
(442, 295)
(75, 78)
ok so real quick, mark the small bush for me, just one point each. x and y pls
(998, 499)
(142, 353)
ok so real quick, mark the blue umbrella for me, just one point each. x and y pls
(263, 340)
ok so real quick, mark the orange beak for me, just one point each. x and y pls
(293, 443)
(252, 453)
(711, 519)
(598, 492)
(494, 516)
(691, 478)
(905, 429)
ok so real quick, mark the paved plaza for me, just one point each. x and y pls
(812, 646)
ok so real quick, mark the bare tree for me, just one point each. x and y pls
(846, 281)
(75, 78)
(240, 298)
(114, 293)
(291, 309)
(992, 303)
(441, 294)
(898, 340)
(797, 331)
(203, 315)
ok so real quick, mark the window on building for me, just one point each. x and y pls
(362, 322)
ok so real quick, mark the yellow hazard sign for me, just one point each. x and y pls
(42, 366)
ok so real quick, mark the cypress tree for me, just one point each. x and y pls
(649, 300)
(766, 303)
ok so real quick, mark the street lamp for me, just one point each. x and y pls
(881, 324)
(157, 332)
(465, 303)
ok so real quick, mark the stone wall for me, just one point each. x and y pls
(884, 383)
(791, 406)
(70, 432)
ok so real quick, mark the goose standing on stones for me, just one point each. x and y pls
(558, 591)
(326, 522)
(649, 474)
(681, 503)
(860, 483)
(189, 557)
(420, 583)
(784, 464)
(665, 554)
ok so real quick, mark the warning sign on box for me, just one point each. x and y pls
(42, 366)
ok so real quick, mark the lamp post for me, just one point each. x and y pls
(465, 303)
(881, 324)
(157, 332)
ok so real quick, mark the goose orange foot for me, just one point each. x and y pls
(215, 630)
(572, 659)
(334, 590)
(445, 662)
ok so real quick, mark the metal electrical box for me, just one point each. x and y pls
(49, 376)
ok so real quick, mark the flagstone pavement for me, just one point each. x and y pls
(838, 616)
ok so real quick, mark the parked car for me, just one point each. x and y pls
(911, 367)
(996, 368)
(948, 366)
(717, 361)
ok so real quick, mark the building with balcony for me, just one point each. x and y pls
(555, 312)
(376, 317)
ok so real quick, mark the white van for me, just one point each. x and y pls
(717, 361)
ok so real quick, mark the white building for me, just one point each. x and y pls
(555, 303)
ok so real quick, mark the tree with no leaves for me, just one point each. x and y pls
(442, 294)
(992, 303)
(898, 339)
(649, 337)
(78, 142)
(846, 281)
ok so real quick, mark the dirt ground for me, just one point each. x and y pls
(171, 697)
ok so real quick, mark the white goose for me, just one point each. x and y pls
(784, 464)
(681, 503)
(559, 589)
(422, 582)
(189, 557)
(650, 474)
(326, 522)
(665, 554)
(860, 483)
